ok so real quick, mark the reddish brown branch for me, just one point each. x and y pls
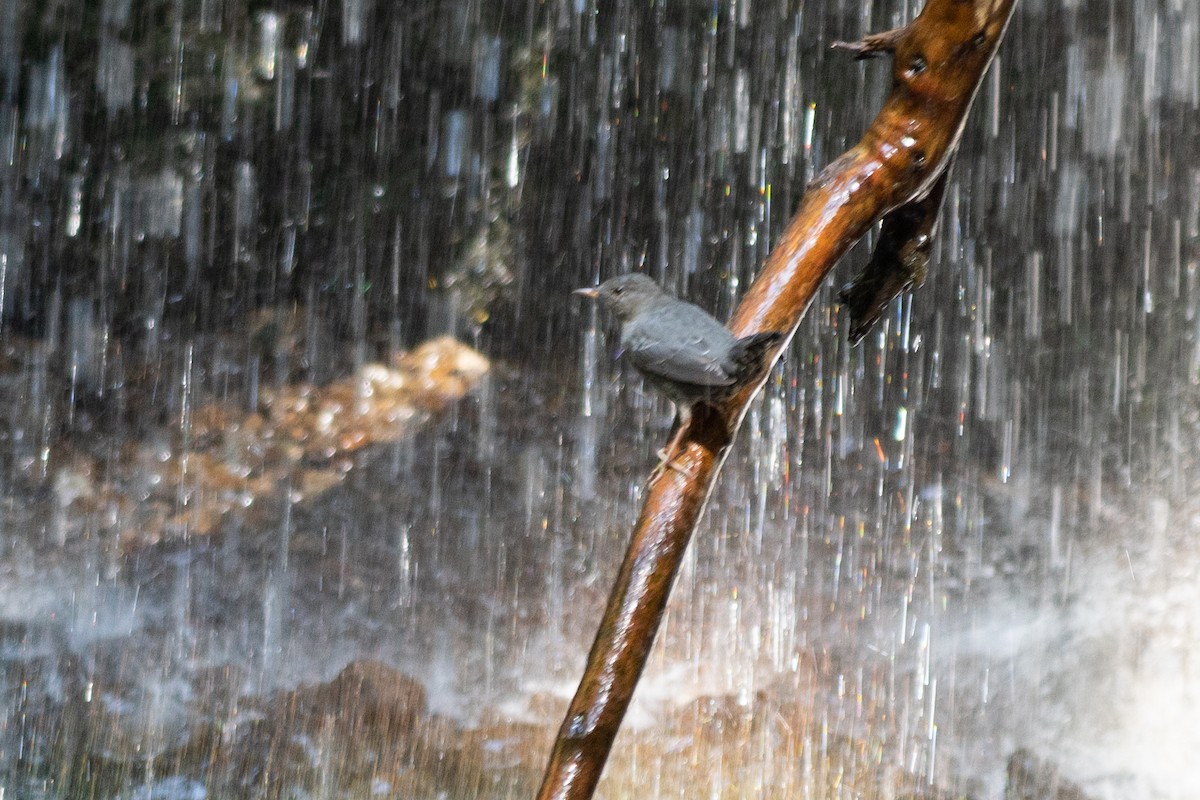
(940, 59)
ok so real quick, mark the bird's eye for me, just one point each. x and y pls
(619, 290)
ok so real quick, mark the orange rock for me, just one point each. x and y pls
(224, 459)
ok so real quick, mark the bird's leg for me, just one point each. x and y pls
(667, 454)
(676, 425)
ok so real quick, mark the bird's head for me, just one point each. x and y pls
(625, 295)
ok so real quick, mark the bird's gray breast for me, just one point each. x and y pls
(682, 344)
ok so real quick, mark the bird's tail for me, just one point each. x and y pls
(748, 353)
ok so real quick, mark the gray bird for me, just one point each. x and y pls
(681, 349)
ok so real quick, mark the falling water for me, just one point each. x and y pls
(250, 548)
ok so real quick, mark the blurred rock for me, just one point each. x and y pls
(298, 443)
(367, 701)
(1031, 778)
(366, 731)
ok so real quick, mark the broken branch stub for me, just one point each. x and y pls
(940, 59)
(899, 262)
(871, 45)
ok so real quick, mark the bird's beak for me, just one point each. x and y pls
(589, 291)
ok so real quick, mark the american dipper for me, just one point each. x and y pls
(681, 349)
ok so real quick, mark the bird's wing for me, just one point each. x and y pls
(680, 343)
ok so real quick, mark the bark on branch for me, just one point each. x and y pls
(939, 62)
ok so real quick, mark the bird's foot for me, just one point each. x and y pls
(666, 461)
(667, 455)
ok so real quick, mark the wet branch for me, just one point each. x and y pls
(892, 174)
